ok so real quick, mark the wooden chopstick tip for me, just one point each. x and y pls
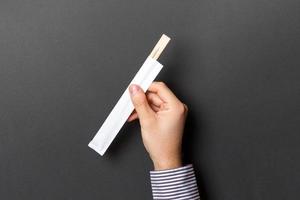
(165, 37)
(159, 47)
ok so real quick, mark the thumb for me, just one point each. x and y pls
(140, 103)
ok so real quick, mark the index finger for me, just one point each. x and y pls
(162, 90)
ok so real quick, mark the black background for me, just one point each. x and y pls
(65, 63)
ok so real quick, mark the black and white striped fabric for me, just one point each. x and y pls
(177, 184)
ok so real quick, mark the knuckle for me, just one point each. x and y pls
(181, 108)
(186, 107)
(161, 84)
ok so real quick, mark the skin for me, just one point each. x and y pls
(162, 117)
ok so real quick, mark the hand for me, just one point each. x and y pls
(162, 118)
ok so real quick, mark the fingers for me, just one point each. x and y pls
(158, 97)
(154, 99)
(163, 92)
(135, 116)
(132, 117)
(155, 108)
(141, 105)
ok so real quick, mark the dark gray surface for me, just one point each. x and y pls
(64, 64)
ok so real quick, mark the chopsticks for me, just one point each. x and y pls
(159, 47)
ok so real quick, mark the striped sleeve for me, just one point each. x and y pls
(178, 184)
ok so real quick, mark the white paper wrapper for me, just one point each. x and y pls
(124, 107)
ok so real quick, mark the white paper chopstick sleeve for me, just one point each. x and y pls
(124, 107)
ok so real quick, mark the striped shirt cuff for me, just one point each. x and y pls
(179, 183)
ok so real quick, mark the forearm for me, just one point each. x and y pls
(179, 183)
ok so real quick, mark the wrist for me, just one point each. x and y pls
(165, 164)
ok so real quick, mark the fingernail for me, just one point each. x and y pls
(133, 89)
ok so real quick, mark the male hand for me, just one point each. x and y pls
(162, 118)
